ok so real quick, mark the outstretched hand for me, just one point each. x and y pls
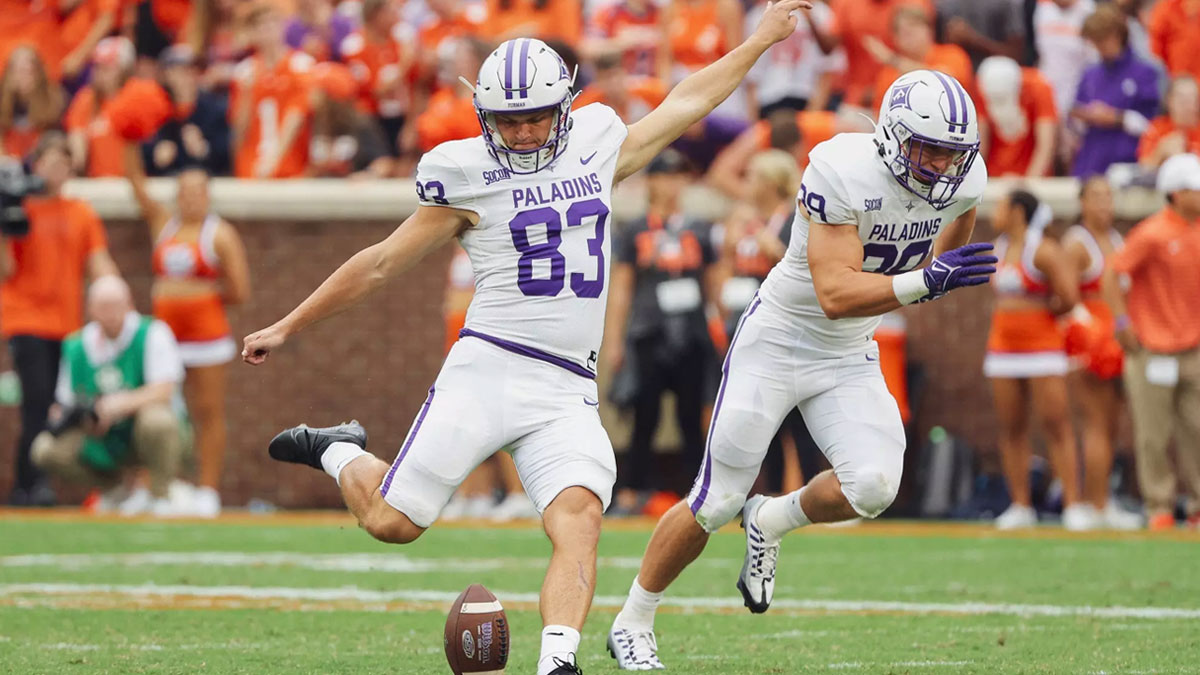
(778, 22)
(257, 346)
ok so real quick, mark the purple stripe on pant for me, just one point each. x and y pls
(412, 436)
(706, 472)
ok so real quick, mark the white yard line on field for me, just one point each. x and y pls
(354, 594)
(852, 665)
(336, 562)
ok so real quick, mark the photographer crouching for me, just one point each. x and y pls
(48, 243)
(119, 378)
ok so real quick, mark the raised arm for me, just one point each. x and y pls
(698, 94)
(156, 214)
(364, 273)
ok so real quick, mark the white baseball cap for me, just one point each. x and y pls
(1179, 172)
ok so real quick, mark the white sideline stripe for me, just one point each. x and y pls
(607, 601)
(338, 562)
(355, 562)
(848, 665)
(480, 607)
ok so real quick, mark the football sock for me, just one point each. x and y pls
(337, 456)
(638, 612)
(557, 641)
(779, 515)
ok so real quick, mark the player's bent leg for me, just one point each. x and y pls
(341, 452)
(857, 426)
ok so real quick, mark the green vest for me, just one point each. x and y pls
(124, 373)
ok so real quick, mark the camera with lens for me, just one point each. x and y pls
(15, 185)
(72, 417)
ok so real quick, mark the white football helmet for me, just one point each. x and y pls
(524, 75)
(927, 109)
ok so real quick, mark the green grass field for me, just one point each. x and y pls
(287, 594)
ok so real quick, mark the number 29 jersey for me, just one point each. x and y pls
(847, 184)
(540, 252)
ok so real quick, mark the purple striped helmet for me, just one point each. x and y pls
(928, 134)
(522, 76)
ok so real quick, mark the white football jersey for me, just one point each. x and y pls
(847, 183)
(540, 252)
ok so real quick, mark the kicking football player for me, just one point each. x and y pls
(530, 200)
(872, 207)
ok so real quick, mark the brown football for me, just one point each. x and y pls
(476, 637)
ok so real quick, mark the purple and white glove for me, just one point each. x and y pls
(958, 268)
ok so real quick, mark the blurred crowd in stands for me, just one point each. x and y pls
(289, 88)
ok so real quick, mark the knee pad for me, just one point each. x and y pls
(870, 489)
(717, 510)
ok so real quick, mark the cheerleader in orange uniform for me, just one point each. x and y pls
(1026, 358)
(199, 267)
(1092, 344)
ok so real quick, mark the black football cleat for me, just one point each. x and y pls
(305, 444)
(566, 667)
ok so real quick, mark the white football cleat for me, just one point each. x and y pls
(757, 580)
(1116, 518)
(1016, 517)
(634, 649)
(1080, 518)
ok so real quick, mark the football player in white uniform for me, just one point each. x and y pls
(872, 207)
(530, 201)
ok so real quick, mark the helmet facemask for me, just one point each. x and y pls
(533, 159)
(934, 186)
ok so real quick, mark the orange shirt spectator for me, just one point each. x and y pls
(43, 298)
(172, 15)
(699, 32)
(1174, 28)
(1016, 108)
(30, 102)
(34, 24)
(1177, 131)
(913, 48)
(272, 93)
(382, 59)
(629, 28)
(816, 126)
(95, 145)
(82, 28)
(88, 116)
(949, 59)
(543, 19)
(450, 20)
(632, 97)
(449, 116)
(855, 20)
(1159, 257)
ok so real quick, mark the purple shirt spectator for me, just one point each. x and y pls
(1129, 85)
(298, 35)
(704, 139)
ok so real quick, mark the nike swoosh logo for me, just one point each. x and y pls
(872, 359)
(589, 158)
(557, 634)
(594, 404)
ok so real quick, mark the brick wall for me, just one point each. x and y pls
(376, 362)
